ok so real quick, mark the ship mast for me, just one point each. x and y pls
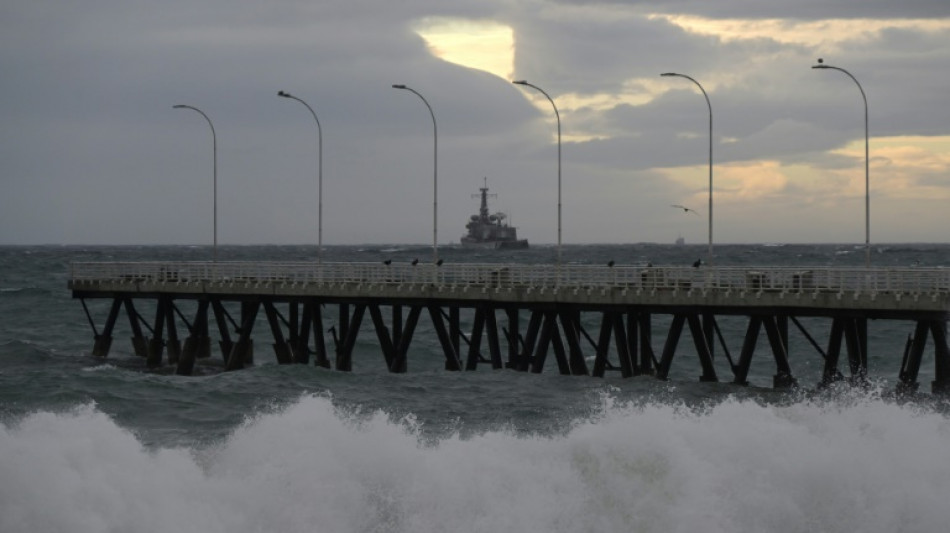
(483, 210)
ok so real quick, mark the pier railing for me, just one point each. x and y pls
(518, 276)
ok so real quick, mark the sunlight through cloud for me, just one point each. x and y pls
(479, 44)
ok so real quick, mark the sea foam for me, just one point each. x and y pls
(865, 465)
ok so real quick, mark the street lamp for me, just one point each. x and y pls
(214, 140)
(710, 158)
(558, 116)
(319, 173)
(867, 189)
(435, 175)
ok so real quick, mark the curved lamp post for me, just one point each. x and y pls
(435, 175)
(319, 173)
(558, 116)
(214, 140)
(710, 261)
(867, 192)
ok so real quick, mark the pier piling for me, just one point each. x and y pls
(545, 311)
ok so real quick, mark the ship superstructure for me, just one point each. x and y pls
(490, 230)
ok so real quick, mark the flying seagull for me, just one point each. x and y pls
(685, 209)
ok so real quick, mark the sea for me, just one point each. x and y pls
(93, 445)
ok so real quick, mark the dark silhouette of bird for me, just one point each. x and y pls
(415, 262)
(685, 209)
(388, 262)
(610, 263)
(697, 263)
(438, 263)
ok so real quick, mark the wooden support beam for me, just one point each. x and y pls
(282, 348)
(139, 342)
(911, 366)
(156, 345)
(857, 359)
(831, 373)
(703, 350)
(382, 333)
(400, 364)
(455, 330)
(221, 319)
(92, 323)
(560, 354)
(708, 329)
(627, 359)
(351, 325)
(669, 348)
(173, 345)
(941, 382)
(514, 336)
(741, 370)
(808, 337)
(301, 346)
(782, 322)
(396, 323)
(343, 327)
(570, 322)
(531, 338)
(783, 378)
(448, 346)
(648, 361)
(544, 341)
(103, 341)
(475, 341)
(722, 342)
(249, 311)
(190, 349)
(239, 352)
(293, 327)
(320, 357)
(494, 346)
(603, 345)
(204, 337)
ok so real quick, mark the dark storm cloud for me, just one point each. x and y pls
(801, 9)
(91, 150)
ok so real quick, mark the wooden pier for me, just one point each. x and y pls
(522, 312)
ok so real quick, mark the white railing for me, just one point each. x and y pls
(788, 279)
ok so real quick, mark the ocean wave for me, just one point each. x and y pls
(24, 291)
(735, 466)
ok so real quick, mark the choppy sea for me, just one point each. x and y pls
(103, 445)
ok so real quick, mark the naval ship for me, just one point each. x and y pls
(490, 231)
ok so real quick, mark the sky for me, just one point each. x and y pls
(92, 151)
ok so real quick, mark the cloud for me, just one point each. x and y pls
(92, 152)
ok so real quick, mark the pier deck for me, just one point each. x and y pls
(625, 297)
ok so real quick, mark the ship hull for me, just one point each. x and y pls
(496, 245)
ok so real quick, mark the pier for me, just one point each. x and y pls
(521, 314)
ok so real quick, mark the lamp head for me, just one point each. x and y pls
(669, 74)
(284, 94)
(820, 64)
(178, 106)
(398, 86)
(520, 82)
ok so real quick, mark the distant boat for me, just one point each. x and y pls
(680, 241)
(491, 231)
